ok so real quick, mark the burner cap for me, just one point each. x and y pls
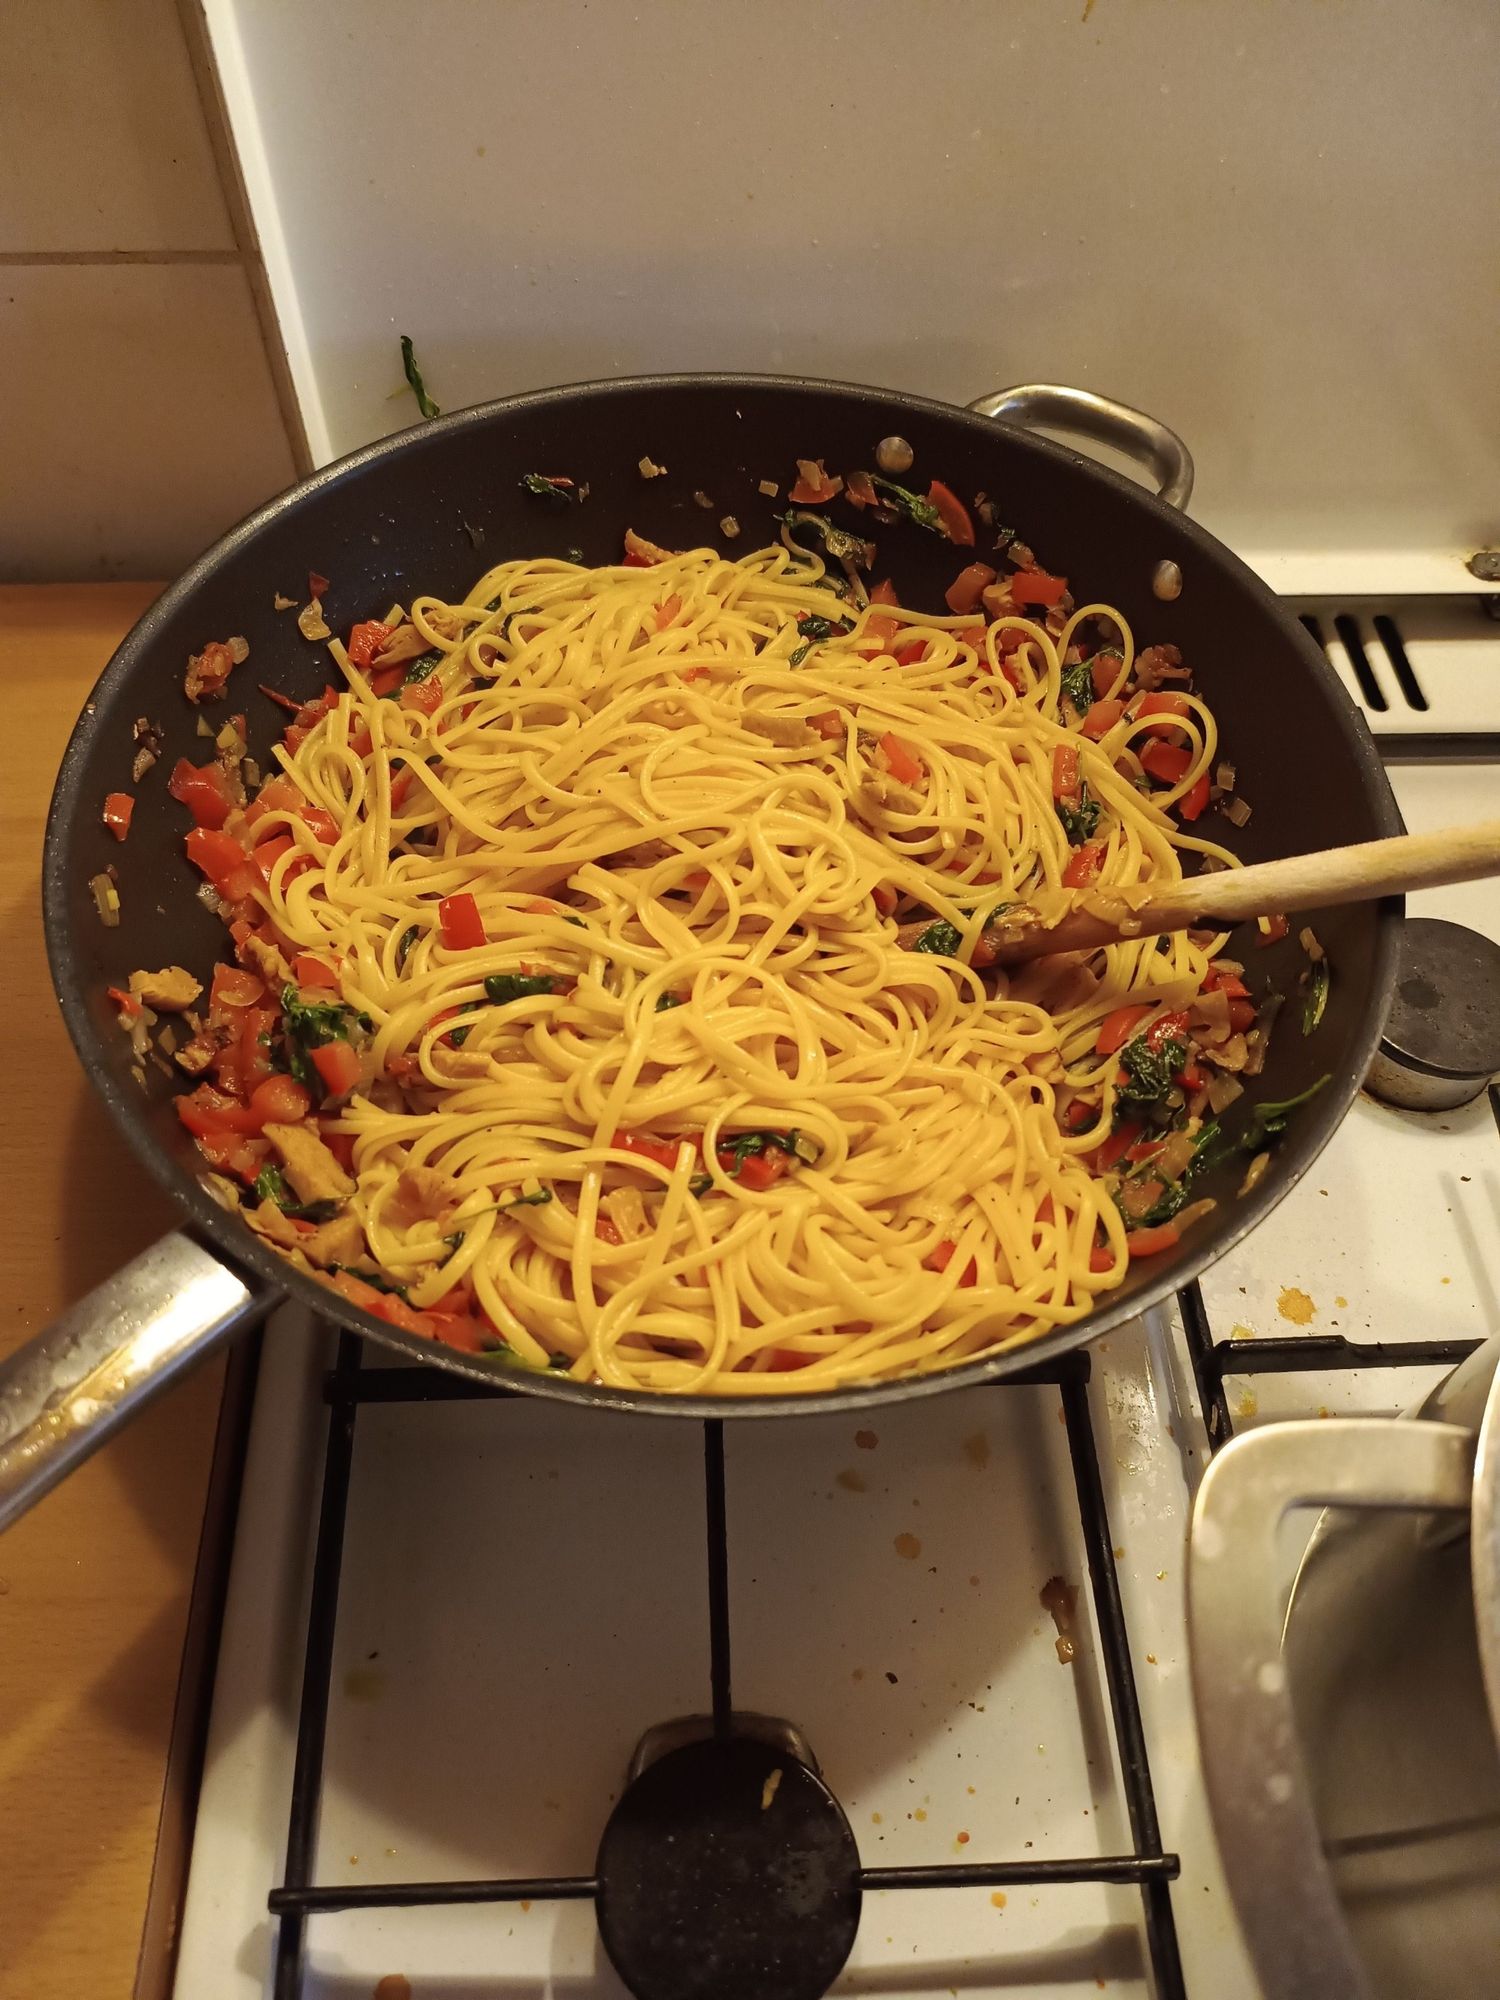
(728, 1872)
(1441, 1043)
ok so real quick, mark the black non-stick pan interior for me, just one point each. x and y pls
(431, 509)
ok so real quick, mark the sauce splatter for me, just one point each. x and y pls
(1060, 1598)
(908, 1546)
(1340, 1301)
(977, 1450)
(364, 1683)
(866, 1440)
(770, 1788)
(997, 1897)
(851, 1481)
(395, 1986)
(1295, 1305)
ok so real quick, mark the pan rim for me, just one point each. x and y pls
(240, 1248)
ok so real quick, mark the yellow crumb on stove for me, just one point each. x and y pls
(770, 1788)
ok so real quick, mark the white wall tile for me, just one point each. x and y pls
(102, 140)
(141, 420)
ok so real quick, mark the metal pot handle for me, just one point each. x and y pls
(1263, 1813)
(1049, 406)
(66, 1391)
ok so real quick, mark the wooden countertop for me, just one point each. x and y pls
(94, 1583)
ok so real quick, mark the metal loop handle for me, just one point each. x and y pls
(1263, 1812)
(64, 1393)
(1049, 406)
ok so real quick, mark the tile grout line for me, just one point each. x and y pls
(45, 259)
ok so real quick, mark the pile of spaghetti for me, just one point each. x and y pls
(615, 985)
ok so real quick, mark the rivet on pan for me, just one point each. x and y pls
(1166, 581)
(894, 454)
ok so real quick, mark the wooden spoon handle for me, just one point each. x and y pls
(1300, 882)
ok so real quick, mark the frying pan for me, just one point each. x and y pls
(432, 508)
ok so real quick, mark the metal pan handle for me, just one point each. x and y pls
(73, 1386)
(1263, 1813)
(1049, 406)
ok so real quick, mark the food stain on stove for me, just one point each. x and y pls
(770, 1788)
(891, 1677)
(1294, 1304)
(1060, 1598)
(866, 1440)
(1340, 1301)
(997, 1897)
(908, 1547)
(850, 1480)
(395, 1986)
(977, 1450)
(364, 1683)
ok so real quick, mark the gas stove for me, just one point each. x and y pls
(485, 1665)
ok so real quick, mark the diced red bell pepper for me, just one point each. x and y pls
(1193, 801)
(1066, 781)
(380, 1305)
(253, 1057)
(337, 1065)
(386, 681)
(458, 1330)
(816, 488)
(320, 823)
(1168, 763)
(426, 696)
(1167, 1028)
(1241, 1016)
(911, 656)
(953, 514)
(1275, 930)
(366, 640)
(1151, 1242)
(207, 1112)
(941, 1256)
(204, 790)
(1230, 983)
(607, 1231)
(667, 610)
(1035, 586)
(859, 490)
(884, 591)
(265, 857)
(1165, 702)
(966, 589)
(662, 1151)
(1101, 1258)
(461, 924)
(1116, 1029)
(1101, 719)
(218, 856)
(118, 807)
(885, 899)
(758, 1171)
(309, 970)
(1084, 866)
(1115, 1146)
(234, 1153)
(1104, 671)
(903, 763)
(279, 1100)
(234, 987)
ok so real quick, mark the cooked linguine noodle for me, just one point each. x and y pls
(678, 1102)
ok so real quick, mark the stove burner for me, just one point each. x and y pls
(728, 1872)
(1441, 1044)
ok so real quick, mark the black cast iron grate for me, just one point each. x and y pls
(1147, 1865)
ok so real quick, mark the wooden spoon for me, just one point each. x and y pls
(1269, 888)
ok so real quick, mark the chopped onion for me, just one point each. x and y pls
(1174, 1157)
(203, 726)
(239, 649)
(311, 622)
(143, 761)
(280, 603)
(1310, 944)
(209, 897)
(701, 499)
(1236, 811)
(769, 488)
(729, 527)
(1194, 1212)
(627, 1211)
(649, 469)
(1224, 775)
(1223, 1089)
(106, 900)
(1255, 1173)
(1260, 1035)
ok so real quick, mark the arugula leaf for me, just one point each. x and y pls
(423, 665)
(1080, 821)
(503, 987)
(559, 1364)
(572, 556)
(839, 543)
(414, 376)
(1317, 995)
(912, 505)
(315, 1023)
(940, 938)
(403, 949)
(546, 489)
(270, 1186)
(746, 1145)
(376, 1280)
(813, 628)
(666, 1000)
(1148, 1073)
(1078, 686)
(1269, 1121)
(458, 1036)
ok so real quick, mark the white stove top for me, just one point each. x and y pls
(524, 1594)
